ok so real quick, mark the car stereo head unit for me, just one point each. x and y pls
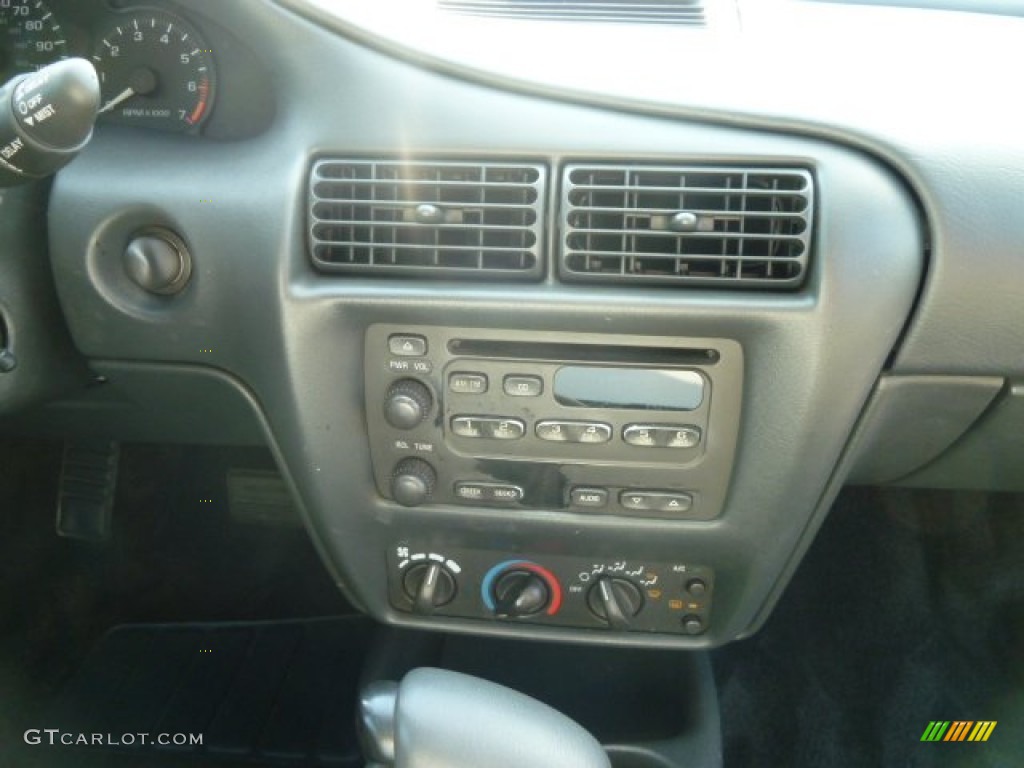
(594, 424)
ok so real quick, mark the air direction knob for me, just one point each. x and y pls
(615, 601)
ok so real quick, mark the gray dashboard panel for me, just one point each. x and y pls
(258, 312)
(942, 116)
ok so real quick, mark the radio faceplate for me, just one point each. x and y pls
(624, 425)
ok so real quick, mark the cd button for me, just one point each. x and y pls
(523, 386)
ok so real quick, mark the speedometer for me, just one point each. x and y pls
(156, 72)
(30, 37)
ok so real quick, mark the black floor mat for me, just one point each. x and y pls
(274, 693)
(908, 608)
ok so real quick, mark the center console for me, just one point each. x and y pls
(626, 426)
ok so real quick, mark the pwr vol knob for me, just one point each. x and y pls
(413, 482)
(407, 403)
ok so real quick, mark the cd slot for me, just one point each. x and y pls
(582, 353)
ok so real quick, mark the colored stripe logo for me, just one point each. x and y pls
(959, 730)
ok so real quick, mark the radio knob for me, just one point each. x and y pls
(429, 586)
(407, 403)
(520, 592)
(616, 601)
(412, 482)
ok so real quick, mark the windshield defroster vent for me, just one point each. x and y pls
(446, 219)
(690, 12)
(686, 225)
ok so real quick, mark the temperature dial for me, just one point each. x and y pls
(520, 588)
(520, 593)
(429, 586)
(615, 601)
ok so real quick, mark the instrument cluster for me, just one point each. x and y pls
(157, 70)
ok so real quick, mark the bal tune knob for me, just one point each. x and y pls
(407, 403)
(616, 601)
(520, 592)
(412, 482)
(429, 586)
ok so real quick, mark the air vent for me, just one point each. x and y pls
(447, 219)
(687, 225)
(636, 12)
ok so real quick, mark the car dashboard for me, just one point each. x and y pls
(555, 332)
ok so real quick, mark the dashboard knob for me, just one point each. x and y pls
(429, 586)
(519, 592)
(697, 587)
(407, 403)
(412, 482)
(159, 262)
(692, 624)
(616, 601)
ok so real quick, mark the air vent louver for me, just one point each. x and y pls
(447, 219)
(636, 12)
(686, 225)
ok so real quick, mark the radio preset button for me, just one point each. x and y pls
(574, 432)
(462, 383)
(684, 437)
(553, 431)
(590, 433)
(488, 427)
(505, 429)
(591, 498)
(661, 436)
(407, 345)
(523, 386)
(466, 426)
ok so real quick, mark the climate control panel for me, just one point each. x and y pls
(626, 595)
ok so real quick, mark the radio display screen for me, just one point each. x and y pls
(653, 389)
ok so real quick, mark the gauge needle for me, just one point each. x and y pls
(123, 96)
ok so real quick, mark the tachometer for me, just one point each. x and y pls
(155, 71)
(30, 37)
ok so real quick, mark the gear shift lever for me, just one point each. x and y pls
(441, 719)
